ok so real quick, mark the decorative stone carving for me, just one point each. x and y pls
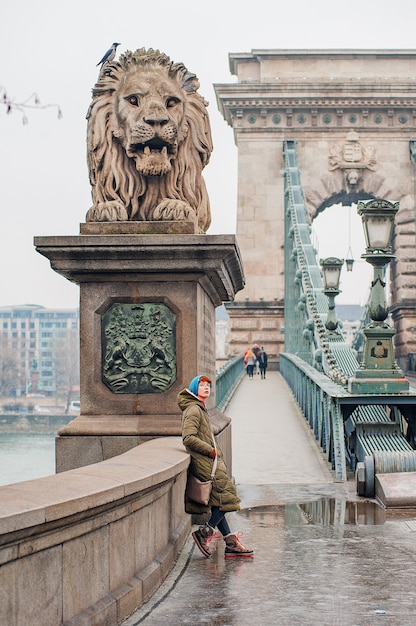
(352, 177)
(148, 140)
(351, 156)
(138, 348)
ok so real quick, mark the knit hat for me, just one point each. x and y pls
(193, 385)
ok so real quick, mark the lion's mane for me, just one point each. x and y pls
(113, 174)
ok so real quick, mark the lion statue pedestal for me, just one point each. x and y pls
(147, 324)
(139, 228)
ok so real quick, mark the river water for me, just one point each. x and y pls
(24, 456)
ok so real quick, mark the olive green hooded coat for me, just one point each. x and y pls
(197, 439)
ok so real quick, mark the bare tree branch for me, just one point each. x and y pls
(32, 102)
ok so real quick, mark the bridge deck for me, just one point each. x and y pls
(321, 556)
(272, 442)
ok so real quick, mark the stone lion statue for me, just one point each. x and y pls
(148, 140)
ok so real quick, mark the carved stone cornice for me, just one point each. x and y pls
(87, 258)
(270, 106)
(308, 101)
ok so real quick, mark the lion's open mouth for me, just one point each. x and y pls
(153, 157)
(153, 146)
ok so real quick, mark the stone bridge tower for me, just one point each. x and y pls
(353, 116)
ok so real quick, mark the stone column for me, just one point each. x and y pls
(179, 279)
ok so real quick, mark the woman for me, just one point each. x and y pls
(198, 441)
(250, 361)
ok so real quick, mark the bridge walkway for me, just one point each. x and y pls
(322, 555)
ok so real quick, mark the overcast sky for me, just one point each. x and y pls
(52, 48)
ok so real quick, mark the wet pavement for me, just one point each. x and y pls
(322, 555)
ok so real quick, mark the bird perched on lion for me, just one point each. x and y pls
(148, 139)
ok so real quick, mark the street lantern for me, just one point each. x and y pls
(331, 269)
(349, 261)
(378, 222)
(379, 372)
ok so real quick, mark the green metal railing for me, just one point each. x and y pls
(318, 397)
(227, 380)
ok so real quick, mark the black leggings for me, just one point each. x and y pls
(218, 520)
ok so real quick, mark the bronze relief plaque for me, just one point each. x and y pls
(138, 348)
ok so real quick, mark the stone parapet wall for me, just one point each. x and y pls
(90, 545)
(79, 451)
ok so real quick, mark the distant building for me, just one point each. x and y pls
(41, 340)
(350, 316)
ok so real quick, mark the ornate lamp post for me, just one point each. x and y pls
(331, 269)
(379, 372)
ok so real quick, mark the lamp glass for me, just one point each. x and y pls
(349, 263)
(332, 276)
(378, 230)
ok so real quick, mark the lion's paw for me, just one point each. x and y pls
(174, 211)
(112, 211)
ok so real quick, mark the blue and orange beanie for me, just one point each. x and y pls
(193, 385)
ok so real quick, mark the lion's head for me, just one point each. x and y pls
(148, 140)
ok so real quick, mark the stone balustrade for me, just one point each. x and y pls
(89, 545)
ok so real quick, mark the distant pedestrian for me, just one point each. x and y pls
(262, 361)
(256, 351)
(245, 356)
(250, 362)
(198, 440)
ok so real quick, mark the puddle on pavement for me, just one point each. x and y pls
(328, 511)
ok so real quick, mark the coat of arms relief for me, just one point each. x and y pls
(352, 157)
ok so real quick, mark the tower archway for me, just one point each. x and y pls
(353, 116)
